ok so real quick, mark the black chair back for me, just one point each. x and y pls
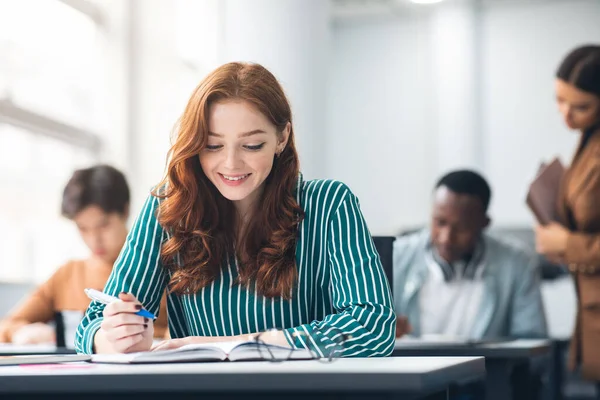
(385, 248)
(59, 325)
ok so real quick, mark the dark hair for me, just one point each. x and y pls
(102, 185)
(469, 183)
(200, 219)
(581, 68)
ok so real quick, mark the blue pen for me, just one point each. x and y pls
(106, 299)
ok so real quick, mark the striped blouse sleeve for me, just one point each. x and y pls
(138, 270)
(364, 322)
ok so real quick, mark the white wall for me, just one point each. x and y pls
(384, 138)
(291, 39)
(523, 47)
(455, 49)
(162, 78)
(113, 85)
(381, 128)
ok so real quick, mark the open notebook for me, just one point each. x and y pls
(218, 351)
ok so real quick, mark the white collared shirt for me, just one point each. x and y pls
(449, 308)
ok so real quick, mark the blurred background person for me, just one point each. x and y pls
(97, 200)
(575, 241)
(455, 280)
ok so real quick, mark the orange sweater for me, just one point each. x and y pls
(64, 291)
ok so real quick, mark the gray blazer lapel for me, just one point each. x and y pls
(487, 308)
(410, 272)
(410, 297)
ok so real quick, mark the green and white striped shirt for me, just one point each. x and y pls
(341, 287)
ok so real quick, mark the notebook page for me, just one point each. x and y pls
(224, 346)
(191, 352)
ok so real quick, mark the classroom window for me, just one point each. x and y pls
(49, 96)
(48, 58)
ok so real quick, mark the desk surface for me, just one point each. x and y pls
(400, 375)
(520, 348)
(8, 349)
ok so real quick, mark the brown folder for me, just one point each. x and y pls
(543, 192)
(542, 166)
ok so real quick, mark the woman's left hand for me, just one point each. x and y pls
(274, 337)
(172, 344)
(551, 239)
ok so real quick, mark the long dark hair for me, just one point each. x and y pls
(581, 68)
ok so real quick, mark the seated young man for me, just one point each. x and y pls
(454, 279)
(96, 199)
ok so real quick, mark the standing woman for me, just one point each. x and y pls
(243, 244)
(576, 240)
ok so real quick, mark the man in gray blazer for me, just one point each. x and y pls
(454, 279)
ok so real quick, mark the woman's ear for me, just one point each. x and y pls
(283, 138)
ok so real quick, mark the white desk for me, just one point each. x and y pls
(507, 362)
(9, 349)
(518, 348)
(413, 378)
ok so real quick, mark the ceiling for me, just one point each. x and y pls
(358, 9)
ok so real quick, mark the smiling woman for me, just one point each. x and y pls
(242, 242)
(239, 158)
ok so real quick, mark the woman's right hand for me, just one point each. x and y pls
(122, 331)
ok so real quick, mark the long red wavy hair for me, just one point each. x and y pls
(200, 221)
